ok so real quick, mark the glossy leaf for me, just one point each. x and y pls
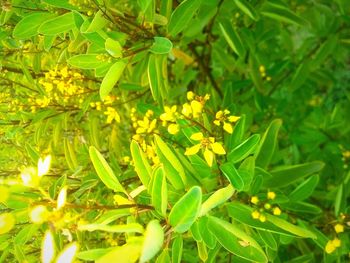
(153, 242)
(247, 8)
(244, 149)
(98, 22)
(142, 166)
(57, 25)
(114, 48)
(104, 171)
(172, 166)
(28, 25)
(232, 38)
(268, 144)
(112, 77)
(231, 238)
(177, 249)
(127, 253)
(231, 173)
(186, 210)
(217, 198)
(286, 175)
(159, 194)
(305, 189)
(281, 13)
(128, 228)
(85, 61)
(182, 16)
(161, 45)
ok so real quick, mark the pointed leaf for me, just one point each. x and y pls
(112, 77)
(161, 45)
(186, 210)
(28, 26)
(142, 167)
(159, 193)
(57, 25)
(154, 237)
(104, 171)
(244, 149)
(217, 198)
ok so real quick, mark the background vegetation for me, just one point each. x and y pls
(174, 131)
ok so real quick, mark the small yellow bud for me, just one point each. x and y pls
(255, 215)
(268, 78)
(339, 228)
(329, 247)
(262, 218)
(254, 200)
(277, 211)
(336, 242)
(267, 206)
(271, 195)
(173, 128)
(262, 69)
(190, 95)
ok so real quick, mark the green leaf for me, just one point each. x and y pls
(238, 134)
(176, 249)
(281, 13)
(219, 197)
(104, 171)
(231, 173)
(142, 167)
(232, 38)
(154, 237)
(128, 253)
(85, 61)
(186, 210)
(243, 214)
(112, 77)
(157, 76)
(231, 238)
(247, 8)
(161, 45)
(324, 51)
(159, 195)
(58, 25)
(268, 144)
(128, 228)
(97, 23)
(114, 48)
(305, 189)
(296, 230)
(285, 175)
(93, 254)
(268, 238)
(244, 149)
(208, 238)
(28, 25)
(300, 76)
(182, 15)
(172, 166)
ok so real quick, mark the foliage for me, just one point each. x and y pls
(174, 131)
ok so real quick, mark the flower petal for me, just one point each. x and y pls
(233, 118)
(209, 157)
(217, 148)
(197, 136)
(228, 127)
(193, 150)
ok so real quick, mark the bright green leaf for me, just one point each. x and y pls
(112, 77)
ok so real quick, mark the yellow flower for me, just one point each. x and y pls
(262, 69)
(277, 211)
(254, 200)
(339, 228)
(4, 193)
(224, 118)
(112, 114)
(173, 128)
(262, 218)
(271, 195)
(208, 144)
(332, 245)
(255, 215)
(145, 125)
(7, 222)
(169, 114)
(39, 214)
(195, 107)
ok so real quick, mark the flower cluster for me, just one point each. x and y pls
(169, 118)
(224, 118)
(262, 71)
(194, 108)
(262, 207)
(208, 145)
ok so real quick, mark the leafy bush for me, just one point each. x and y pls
(174, 131)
